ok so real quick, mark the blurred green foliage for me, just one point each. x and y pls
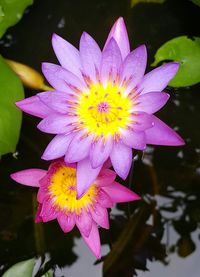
(11, 12)
(24, 268)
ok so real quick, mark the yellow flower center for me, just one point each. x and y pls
(104, 111)
(63, 191)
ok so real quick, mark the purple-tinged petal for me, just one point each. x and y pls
(29, 177)
(100, 151)
(62, 79)
(66, 222)
(119, 33)
(90, 54)
(85, 176)
(141, 121)
(34, 106)
(111, 62)
(133, 68)
(121, 158)
(57, 147)
(57, 124)
(119, 193)
(161, 134)
(158, 78)
(67, 54)
(57, 101)
(104, 200)
(93, 241)
(100, 216)
(79, 147)
(48, 211)
(84, 223)
(105, 177)
(151, 102)
(134, 139)
(107, 164)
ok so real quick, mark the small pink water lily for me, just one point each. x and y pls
(57, 199)
(103, 104)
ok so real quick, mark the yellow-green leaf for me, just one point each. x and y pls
(11, 90)
(21, 269)
(187, 52)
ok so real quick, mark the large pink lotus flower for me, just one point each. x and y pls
(103, 104)
(57, 199)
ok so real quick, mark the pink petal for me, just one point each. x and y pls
(85, 176)
(62, 79)
(48, 211)
(107, 163)
(58, 101)
(90, 54)
(151, 102)
(119, 33)
(141, 121)
(57, 124)
(157, 79)
(34, 106)
(100, 216)
(121, 158)
(93, 241)
(119, 193)
(134, 139)
(84, 223)
(38, 218)
(105, 177)
(67, 54)
(57, 147)
(29, 177)
(161, 134)
(111, 62)
(66, 222)
(79, 147)
(104, 200)
(100, 151)
(134, 67)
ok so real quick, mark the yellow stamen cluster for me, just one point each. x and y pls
(63, 191)
(104, 111)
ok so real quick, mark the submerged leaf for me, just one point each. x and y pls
(187, 52)
(11, 90)
(135, 2)
(197, 2)
(11, 12)
(21, 269)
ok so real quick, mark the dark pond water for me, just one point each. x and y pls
(158, 236)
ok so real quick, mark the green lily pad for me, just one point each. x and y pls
(11, 90)
(187, 52)
(21, 269)
(11, 12)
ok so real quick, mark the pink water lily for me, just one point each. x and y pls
(57, 199)
(103, 104)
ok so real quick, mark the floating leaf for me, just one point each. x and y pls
(21, 269)
(48, 274)
(11, 90)
(187, 52)
(11, 12)
(135, 2)
(185, 246)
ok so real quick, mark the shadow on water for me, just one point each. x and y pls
(157, 236)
